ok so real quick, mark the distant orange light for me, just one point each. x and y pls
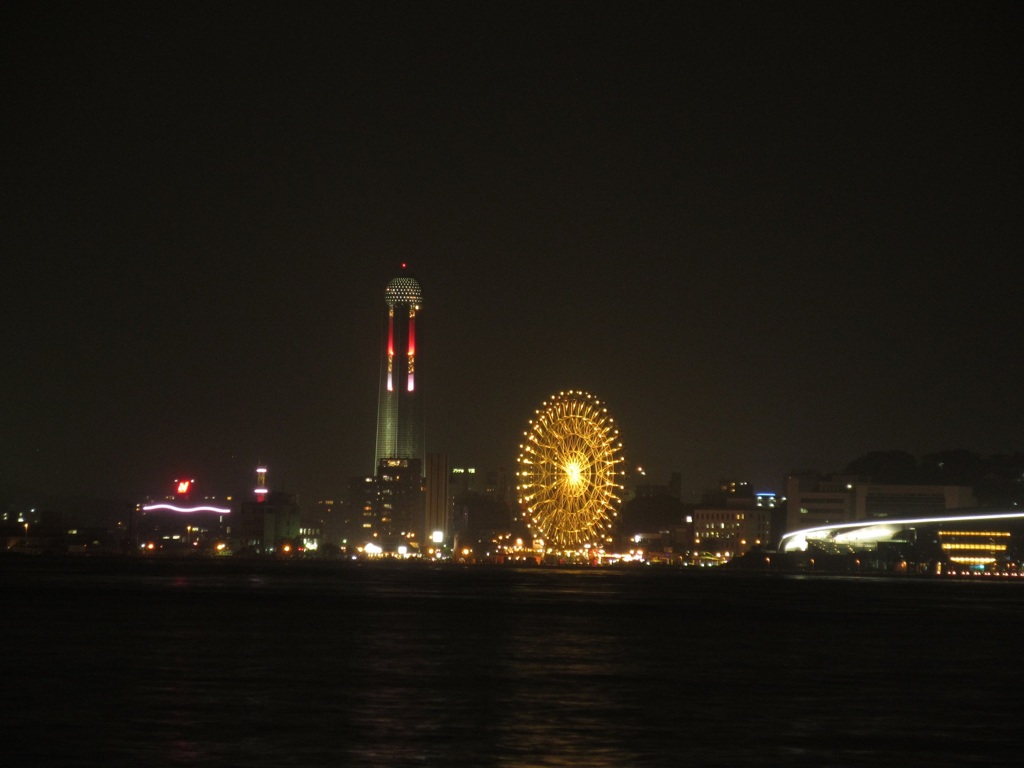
(183, 486)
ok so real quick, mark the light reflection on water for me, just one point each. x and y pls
(266, 666)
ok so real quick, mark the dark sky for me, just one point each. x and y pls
(768, 236)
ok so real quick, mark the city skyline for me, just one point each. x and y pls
(769, 238)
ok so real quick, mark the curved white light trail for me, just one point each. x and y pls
(792, 539)
(172, 508)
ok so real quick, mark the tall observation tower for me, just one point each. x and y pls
(399, 413)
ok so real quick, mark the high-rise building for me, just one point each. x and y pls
(385, 510)
(399, 511)
(399, 412)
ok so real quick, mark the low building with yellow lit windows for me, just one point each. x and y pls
(722, 534)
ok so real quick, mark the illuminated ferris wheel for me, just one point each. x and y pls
(568, 472)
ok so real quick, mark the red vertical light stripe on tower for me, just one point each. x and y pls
(412, 348)
(391, 346)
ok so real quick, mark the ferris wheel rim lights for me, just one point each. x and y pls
(568, 471)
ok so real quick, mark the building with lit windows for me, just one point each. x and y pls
(386, 511)
(360, 513)
(730, 521)
(327, 516)
(399, 410)
(815, 500)
(399, 514)
(724, 533)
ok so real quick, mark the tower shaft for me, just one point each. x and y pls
(399, 411)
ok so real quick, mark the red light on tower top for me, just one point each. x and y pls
(182, 487)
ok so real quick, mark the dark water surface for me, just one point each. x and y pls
(136, 663)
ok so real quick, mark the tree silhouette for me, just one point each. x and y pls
(894, 467)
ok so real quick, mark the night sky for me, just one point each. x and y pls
(768, 236)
